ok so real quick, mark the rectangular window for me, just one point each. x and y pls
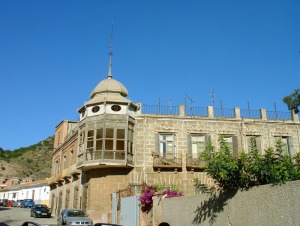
(65, 162)
(198, 144)
(71, 157)
(120, 141)
(75, 199)
(130, 141)
(109, 133)
(81, 140)
(286, 144)
(232, 142)
(130, 146)
(166, 146)
(109, 145)
(109, 139)
(90, 139)
(99, 139)
(56, 167)
(252, 143)
(120, 134)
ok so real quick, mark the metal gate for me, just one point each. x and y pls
(129, 215)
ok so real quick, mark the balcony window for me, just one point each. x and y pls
(108, 145)
(198, 143)
(166, 145)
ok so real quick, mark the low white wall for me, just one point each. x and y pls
(263, 205)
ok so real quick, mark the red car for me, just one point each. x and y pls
(9, 203)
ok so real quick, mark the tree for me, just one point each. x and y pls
(293, 101)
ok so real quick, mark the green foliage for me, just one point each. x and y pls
(199, 187)
(7, 154)
(252, 169)
(293, 100)
(161, 187)
(222, 166)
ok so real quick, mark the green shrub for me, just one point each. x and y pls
(252, 169)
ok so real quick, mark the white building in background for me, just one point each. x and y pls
(37, 190)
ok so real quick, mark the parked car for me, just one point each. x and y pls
(27, 203)
(18, 203)
(106, 224)
(2, 201)
(40, 210)
(15, 203)
(8, 203)
(74, 217)
(30, 223)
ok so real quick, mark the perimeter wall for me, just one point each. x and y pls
(264, 205)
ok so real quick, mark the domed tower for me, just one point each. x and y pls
(106, 126)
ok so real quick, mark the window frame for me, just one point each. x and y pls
(288, 144)
(258, 144)
(233, 144)
(164, 145)
(194, 154)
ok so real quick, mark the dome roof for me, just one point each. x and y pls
(109, 85)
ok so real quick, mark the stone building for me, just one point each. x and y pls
(118, 145)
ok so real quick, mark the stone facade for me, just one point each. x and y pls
(117, 146)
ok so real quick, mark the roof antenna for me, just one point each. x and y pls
(213, 97)
(110, 53)
(191, 106)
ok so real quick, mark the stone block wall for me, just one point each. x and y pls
(263, 205)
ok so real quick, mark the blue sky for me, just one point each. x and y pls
(53, 54)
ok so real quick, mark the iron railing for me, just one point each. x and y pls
(278, 115)
(218, 112)
(196, 111)
(161, 110)
(246, 113)
(224, 112)
(195, 161)
(168, 160)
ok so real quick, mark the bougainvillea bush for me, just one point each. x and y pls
(150, 191)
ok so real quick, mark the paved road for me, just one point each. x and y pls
(14, 216)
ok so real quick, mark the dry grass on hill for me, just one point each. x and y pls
(33, 161)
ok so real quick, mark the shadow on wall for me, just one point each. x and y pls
(211, 207)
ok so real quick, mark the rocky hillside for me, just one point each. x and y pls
(33, 161)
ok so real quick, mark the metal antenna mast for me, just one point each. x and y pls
(213, 97)
(190, 100)
(110, 53)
